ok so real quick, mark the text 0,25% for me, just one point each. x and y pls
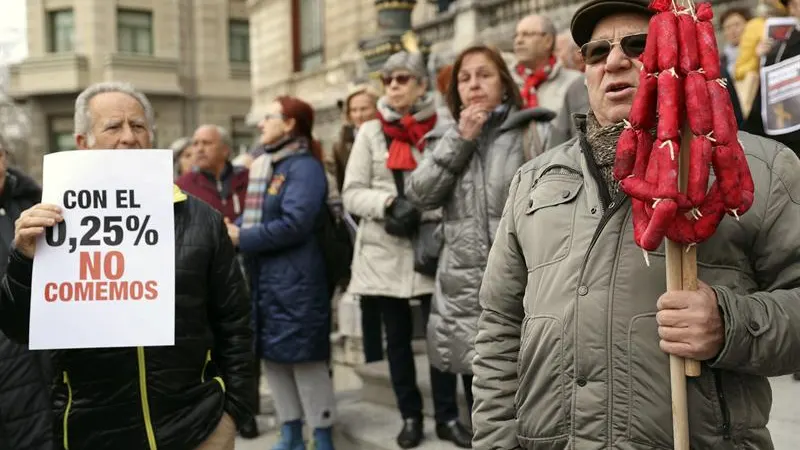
(108, 230)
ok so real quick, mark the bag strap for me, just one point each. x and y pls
(399, 183)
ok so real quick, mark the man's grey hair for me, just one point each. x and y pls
(225, 137)
(550, 28)
(83, 118)
(403, 60)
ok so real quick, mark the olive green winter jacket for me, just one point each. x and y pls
(567, 350)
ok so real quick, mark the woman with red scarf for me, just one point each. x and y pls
(385, 151)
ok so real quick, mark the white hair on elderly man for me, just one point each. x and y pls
(224, 137)
(83, 118)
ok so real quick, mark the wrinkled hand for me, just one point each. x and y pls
(689, 323)
(32, 223)
(471, 122)
(233, 232)
(764, 47)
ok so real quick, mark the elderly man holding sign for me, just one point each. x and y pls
(576, 332)
(190, 395)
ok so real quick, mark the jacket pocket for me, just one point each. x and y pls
(649, 413)
(67, 410)
(540, 403)
(548, 220)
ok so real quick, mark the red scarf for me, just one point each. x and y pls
(533, 81)
(404, 133)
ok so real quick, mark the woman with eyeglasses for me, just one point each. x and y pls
(383, 271)
(291, 303)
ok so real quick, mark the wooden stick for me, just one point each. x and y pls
(681, 275)
(689, 266)
(680, 407)
(677, 368)
(688, 262)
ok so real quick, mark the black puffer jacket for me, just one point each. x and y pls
(26, 417)
(165, 398)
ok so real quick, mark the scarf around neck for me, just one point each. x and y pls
(534, 79)
(261, 175)
(405, 131)
(602, 141)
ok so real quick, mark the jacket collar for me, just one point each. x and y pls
(424, 109)
(178, 195)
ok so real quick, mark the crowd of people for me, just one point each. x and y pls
(484, 192)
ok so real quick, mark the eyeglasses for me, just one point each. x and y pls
(531, 34)
(597, 51)
(401, 79)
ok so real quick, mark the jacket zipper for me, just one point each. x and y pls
(723, 405)
(563, 170)
(67, 410)
(219, 193)
(205, 367)
(148, 425)
(613, 208)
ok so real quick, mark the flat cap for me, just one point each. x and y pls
(593, 11)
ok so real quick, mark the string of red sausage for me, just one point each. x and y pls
(680, 79)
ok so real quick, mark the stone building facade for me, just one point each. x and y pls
(331, 30)
(191, 57)
(340, 25)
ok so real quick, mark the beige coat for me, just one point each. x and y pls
(383, 265)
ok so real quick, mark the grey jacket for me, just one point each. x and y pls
(567, 351)
(470, 180)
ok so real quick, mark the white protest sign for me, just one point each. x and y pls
(105, 276)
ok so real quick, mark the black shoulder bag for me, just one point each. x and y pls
(426, 240)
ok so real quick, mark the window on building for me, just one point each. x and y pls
(135, 31)
(60, 132)
(61, 31)
(308, 33)
(241, 135)
(239, 41)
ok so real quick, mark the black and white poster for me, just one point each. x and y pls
(780, 97)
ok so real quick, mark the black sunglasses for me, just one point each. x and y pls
(401, 79)
(597, 51)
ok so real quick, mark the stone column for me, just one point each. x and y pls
(465, 25)
(394, 20)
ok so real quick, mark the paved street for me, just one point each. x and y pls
(784, 423)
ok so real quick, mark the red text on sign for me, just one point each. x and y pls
(99, 276)
(81, 291)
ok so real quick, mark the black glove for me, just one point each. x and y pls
(402, 218)
(337, 210)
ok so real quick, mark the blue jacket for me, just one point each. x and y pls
(287, 270)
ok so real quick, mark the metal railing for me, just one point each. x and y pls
(499, 12)
(440, 28)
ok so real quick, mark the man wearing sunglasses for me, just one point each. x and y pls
(575, 328)
(544, 80)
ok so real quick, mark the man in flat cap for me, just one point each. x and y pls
(575, 330)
